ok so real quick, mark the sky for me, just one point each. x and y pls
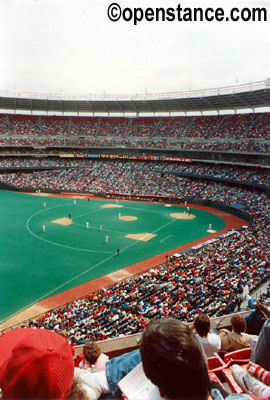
(71, 47)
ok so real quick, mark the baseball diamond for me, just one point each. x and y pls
(67, 254)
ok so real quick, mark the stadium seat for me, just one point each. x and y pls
(216, 363)
(240, 356)
(227, 373)
(78, 359)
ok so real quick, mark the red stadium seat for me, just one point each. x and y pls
(78, 359)
(227, 373)
(216, 363)
(240, 356)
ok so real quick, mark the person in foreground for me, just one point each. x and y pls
(35, 364)
(173, 360)
(38, 364)
(254, 379)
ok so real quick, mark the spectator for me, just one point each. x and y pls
(261, 355)
(38, 364)
(256, 318)
(237, 338)
(105, 382)
(93, 358)
(173, 360)
(35, 364)
(210, 342)
(254, 380)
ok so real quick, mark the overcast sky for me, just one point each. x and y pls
(70, 46)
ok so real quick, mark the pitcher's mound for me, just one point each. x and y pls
(182, 215)
(144, 237)
(63, 221)
(111, 206)
(128, 218)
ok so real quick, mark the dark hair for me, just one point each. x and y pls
(238, 323)
(202, 324)
(91, 352)
(173, 360)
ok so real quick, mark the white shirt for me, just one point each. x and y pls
(94, 383)
(211, 344)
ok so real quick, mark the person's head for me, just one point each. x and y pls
(202, 324)
(238, 323)
(91, 352)
(172, 359)
(35, 364)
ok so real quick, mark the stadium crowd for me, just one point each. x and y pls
(238, 133)
(152, 143)
(209, 279)
(126, 177)
(255, 125)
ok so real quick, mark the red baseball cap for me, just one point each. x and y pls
(35, 364)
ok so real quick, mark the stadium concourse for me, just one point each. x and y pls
(223, 159)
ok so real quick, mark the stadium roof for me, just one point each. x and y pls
(248, 96)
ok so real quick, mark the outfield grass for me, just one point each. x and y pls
(36, 264)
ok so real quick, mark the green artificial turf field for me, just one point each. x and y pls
(36, 264)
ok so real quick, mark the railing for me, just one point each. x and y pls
(246, 87)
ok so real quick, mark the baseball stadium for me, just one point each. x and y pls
(109, 222)
(134, 227)
(90, 201)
